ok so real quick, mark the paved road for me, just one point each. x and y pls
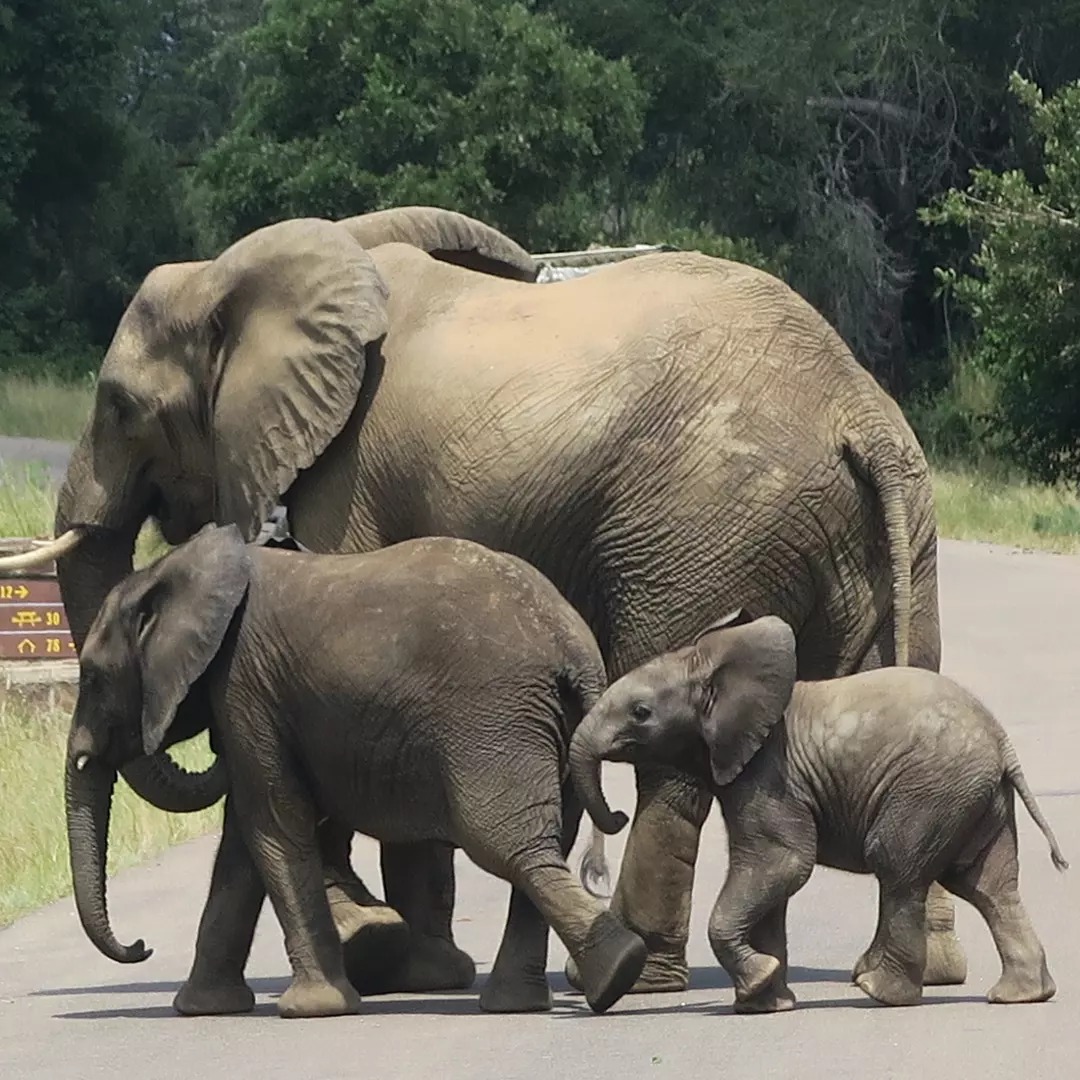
(1010, 633)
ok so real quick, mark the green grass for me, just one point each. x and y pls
(34, 865)
(27, 502)
(981, 505)
(44, 408)
(28, 505)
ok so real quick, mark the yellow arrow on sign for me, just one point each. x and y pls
(27, 646)
(22, 592)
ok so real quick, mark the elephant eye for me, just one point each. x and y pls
(640, 711)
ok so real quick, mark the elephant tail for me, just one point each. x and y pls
(578, 694)
(885, 474)
(1020, 784)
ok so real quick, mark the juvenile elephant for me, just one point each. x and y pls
(897, 772)
(425, 693)
(652, 437)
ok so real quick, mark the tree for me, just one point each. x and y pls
(475, 105)
(1022, 289)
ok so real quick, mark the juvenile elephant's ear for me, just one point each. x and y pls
(289, 314)
(748, 673)
(179, 620)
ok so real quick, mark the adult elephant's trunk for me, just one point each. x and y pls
(102, 558)
(88, 798)
(587, 750)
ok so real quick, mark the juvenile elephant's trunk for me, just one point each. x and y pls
(168, 786)
(587, 750)
(88, 798)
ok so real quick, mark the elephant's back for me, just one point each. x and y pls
(430, 600)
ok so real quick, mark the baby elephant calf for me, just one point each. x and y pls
(897, 772)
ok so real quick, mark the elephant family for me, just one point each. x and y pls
(422, 694)
(662, 437)
(897, 772)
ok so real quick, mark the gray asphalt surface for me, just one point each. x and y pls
(1010, 633)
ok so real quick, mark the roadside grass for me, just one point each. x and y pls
(988, 505)
(44, 408)
(34, 868)
(28, 504)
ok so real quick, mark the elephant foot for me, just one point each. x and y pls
(208, 1000)
(309, 998)
(374, 937)
(610, 962)
(430, 965)
(754, 978)
(946, 963)
(1016, 988)
(515, 995)
(771, 1000)
(663, 974)
(869, 960)
(889, 988)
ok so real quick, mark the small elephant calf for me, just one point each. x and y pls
(897, 772)
(423, 694)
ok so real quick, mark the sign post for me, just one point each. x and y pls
(33, 623)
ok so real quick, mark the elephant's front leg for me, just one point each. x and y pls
(215, 985)
(652, 896)
(279, 827)
(374, 937)
(420, 883)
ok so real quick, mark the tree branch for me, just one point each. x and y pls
(1045, 214)
(867, 106)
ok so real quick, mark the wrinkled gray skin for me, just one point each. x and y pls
(898, 772)
(424, 694)
(655, 436)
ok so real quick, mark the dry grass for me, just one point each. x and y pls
(44, 408)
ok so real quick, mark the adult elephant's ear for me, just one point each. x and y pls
(746, 673)
(290, 312)
(447, 236)
(177, 621)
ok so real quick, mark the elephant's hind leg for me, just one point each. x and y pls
(990, 885)
(420, 884)
(374, 937)
(545, 893)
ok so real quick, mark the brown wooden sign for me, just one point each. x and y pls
(33, 623)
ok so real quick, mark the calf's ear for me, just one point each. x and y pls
(178, 622)
(747, 671)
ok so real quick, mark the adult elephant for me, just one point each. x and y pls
(665, 439)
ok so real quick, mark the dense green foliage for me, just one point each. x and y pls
(820, 140)
(474, 104)
(1023, 290)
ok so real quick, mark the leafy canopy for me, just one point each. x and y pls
(476, 105)
(1022, 289)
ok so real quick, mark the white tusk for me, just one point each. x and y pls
(82, 761)
(46, 553)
